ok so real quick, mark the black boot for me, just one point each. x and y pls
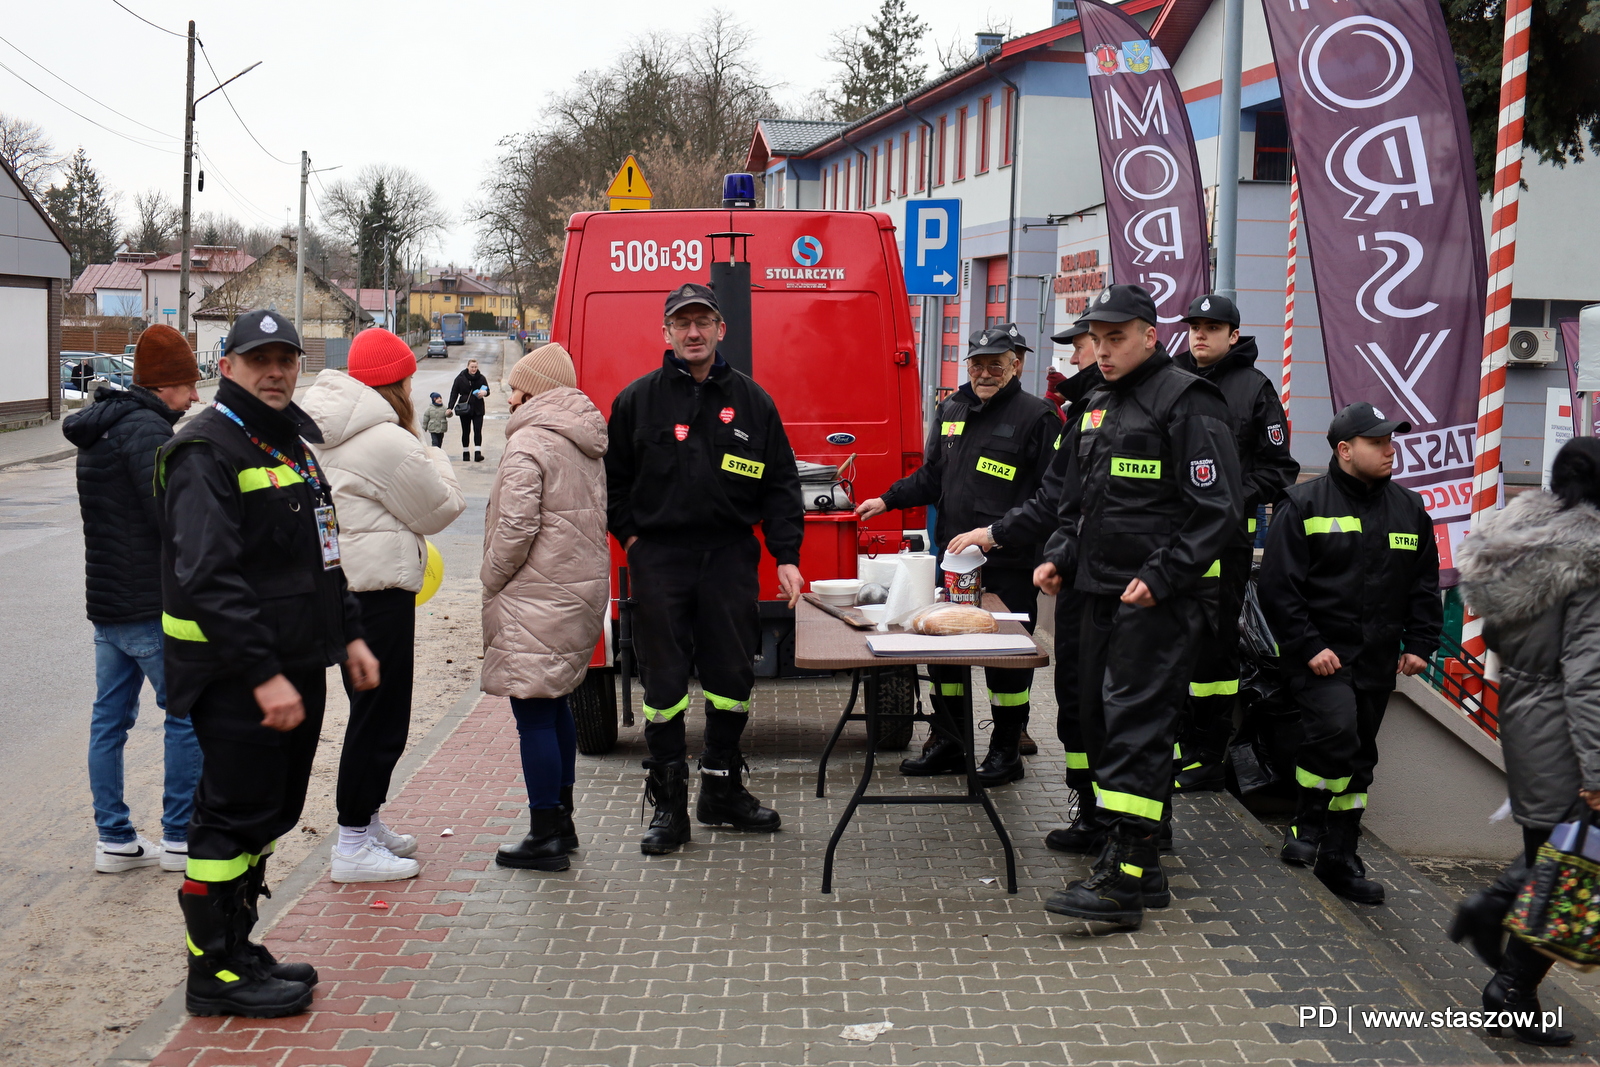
(724, 801)
(1027, 745)
(1086, 833)
(1515, 988)
(1479, 917)
(466, 456)
(944, 756)
(667, 787)
(1203, 774)
(1113, 893)
(255, 887)
(225, 979)
(1153, 890)
(1003, 764)
(569, 832)
(543, 849)
(477, 457)
(1338, 867)
(1302, 836)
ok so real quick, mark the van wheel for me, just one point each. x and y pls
(594, 709)
(896, 698)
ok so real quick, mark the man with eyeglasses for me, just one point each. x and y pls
(988, 449)
(697, 456)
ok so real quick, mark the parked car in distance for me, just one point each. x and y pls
(437, 347)
(80, 368)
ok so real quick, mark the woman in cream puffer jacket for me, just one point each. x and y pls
(389, 490)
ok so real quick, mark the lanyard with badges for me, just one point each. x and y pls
(327, 523)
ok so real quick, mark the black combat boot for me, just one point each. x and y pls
(667, 787)
(1086, 833)
(724, 801)
(1003, 764)
(466, 456)
(255, 887)
(1153, 890)
(1515, 988)
(1338, 867)
(1478, 918)
(1113, 893)
(1301, 837)
(1202, 774)
(944, 756)
(569, 832)
(543, 849)
(477, 457)
(224, 978)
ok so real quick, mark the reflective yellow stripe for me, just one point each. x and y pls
(1214, 689)
(739, 465)
(1314, 781)
(194, 948)
(996, 468)
(182, 629)
(1322, 524)
(1249, 526)
(664, 714)
(227, 976)
(1077, 761)
(1123, 467)
(218, 870)
(952, 689)
(1405, 541)
(1177, 750)
(1348, 802)
(952, 429)
(1192, 766)
(1137, 872)
(253, 478)
(1058, 442)
(727, 703)
(1213, 571)
(1128, 803)
(1008, 700)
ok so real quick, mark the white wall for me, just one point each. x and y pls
(1558, 237)
(24, 344)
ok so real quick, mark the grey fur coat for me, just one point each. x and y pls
(1532, 571)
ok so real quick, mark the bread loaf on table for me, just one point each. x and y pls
(949, 619)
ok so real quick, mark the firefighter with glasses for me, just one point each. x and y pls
(988, 449)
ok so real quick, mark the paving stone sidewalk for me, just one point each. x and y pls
(727, 953)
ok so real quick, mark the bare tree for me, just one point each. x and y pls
(413, 208)
(156, 222)
(962, 49)
(27, 149)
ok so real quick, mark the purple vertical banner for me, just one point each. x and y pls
(1155, 210)
(1390, 204)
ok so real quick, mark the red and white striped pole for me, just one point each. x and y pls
(1288, 292)
(1502, 257)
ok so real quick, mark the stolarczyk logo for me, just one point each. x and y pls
(807, 251)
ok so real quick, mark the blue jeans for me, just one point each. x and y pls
(125, 654)
(549, 740)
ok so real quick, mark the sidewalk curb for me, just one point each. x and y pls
(49, 457)
(152, 1035)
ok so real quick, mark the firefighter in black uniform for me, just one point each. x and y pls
(254, 610)
(1150, 502)
(1350, 586)
(988, 448)
(1219, 355)
(698, 456)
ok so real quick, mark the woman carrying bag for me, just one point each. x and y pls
(1532, 572)
(545, 586)
(389, 490)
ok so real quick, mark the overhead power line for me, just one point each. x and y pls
(146, 21)
(83, 94)
(86, 118)
(207, 56)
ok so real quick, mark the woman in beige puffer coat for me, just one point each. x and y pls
(545, 586)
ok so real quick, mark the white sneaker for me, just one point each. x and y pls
(114, 859)
(174, 855)
(372, 863)
(401, 845)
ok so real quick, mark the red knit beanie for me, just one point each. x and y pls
(378, 357)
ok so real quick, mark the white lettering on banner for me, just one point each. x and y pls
(809, 274)
(636, 256)
(1394, 44)
(1435, 452)
(1446, 500)
(1169, 181)
(1166, 241)
(1380, 300)
(1400, 383)
(1153, 114)
(1419, 184)
(1161, 287)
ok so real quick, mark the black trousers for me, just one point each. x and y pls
(253, 781)
(1340, 747)
(695, 611)
(1134, 667)
(1214, 690)
(380, 719)
(1010, 688)
(470, 425)
(438, 439)
(1069, 713)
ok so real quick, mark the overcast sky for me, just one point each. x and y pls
(430, 86)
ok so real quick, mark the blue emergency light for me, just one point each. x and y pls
(738, 190)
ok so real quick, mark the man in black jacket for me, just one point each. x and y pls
(1260, 432)
(987, 451)
(255, 610)
(697, 456)
(470, 387)
(117, 439)
(1350, 586)
(1150, 501)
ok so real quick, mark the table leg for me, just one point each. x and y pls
(866, 776)
(822, 764)
(975, 788)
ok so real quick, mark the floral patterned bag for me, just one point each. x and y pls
(1558, 910)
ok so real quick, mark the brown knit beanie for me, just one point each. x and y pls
(162, 357)
(542, 370)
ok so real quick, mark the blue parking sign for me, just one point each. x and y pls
(933, 247)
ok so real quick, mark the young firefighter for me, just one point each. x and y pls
(1219, 355)
(1350, 587)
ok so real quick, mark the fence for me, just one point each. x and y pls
(108, 339)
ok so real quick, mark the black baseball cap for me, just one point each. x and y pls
(256, 328)
(1077, 329)
(1213, 307)
(1361, 419)
(690, 293)
(995, 340)
(1120, 303)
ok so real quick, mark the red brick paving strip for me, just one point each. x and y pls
(352, 944)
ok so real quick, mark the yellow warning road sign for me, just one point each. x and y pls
(628, 190)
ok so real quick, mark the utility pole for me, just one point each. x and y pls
(188, 164)
(388, 318)
(300, 252)
(1227, 232)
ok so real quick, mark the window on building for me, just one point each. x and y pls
(905, 162)
(835, 184)
(983, 134)
(961, 143)
(939, 153)
(467, 302)
(922, 158)
(888, 170)
(1007, 117)
(872, 178)
(1272, 147)
(447, 298)
(950, 332)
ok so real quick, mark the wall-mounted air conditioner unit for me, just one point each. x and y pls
(1534, 345)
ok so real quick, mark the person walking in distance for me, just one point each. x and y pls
(435, 419)
(698, 456)
(117, 439)
(466, 401)
(254, 609)
(391, 491)
(546, 587)
(1350, 587)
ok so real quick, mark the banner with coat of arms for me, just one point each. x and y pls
(1155, 209)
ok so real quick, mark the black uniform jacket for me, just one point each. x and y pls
(983, 459)
(697, 464)
(1033, 521)
(1153, 487)
(1260, 430)
(243, 588)
(1352, 567)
